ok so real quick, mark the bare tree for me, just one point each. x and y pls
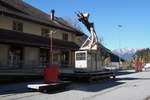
(73, 23)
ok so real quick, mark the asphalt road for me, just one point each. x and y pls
(128, 86)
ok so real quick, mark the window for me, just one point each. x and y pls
(80, 56)
(65, 57)
(43, 57)
(18, 26)
(15, 56)
(44, 32)
(65, 36)
(56, 58)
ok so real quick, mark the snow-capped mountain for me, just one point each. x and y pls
(125, 53)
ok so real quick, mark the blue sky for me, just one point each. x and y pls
(133, 15)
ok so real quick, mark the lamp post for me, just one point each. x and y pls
(51, 72)
(50, 57)
(119, 26)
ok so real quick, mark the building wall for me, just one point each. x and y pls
(3, 54)
(28, 27)
(78, 40)
(59, 34)
(31, 54)
(5, 22)
(33, 28)
(31, 57)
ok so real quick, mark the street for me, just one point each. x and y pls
(128, 86)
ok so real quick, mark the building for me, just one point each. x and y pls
(110, 60)
(24, 39)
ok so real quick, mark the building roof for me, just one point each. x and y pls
(108, 53)
(22, 10)
(13, 37)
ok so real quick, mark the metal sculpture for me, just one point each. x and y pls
(92, 41)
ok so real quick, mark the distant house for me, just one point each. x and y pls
(114, 60)
(24, 40)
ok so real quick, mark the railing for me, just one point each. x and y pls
(21, 65)
(30, 65)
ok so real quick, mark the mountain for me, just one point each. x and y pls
(125, 53)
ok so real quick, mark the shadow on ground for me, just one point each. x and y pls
(14, 88)
(21, 87)
(129, 78)
(124, 72)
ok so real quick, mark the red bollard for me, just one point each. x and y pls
(140, 66)
(137, 66)
(51, 75)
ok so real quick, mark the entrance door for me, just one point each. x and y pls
(43, 57)
(65, 58)
(15, 56)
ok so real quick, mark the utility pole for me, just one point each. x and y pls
(120, 27)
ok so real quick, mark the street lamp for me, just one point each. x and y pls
(50, 72)
(119, 26)
(50, 57)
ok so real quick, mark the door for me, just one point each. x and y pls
(65, 58)
(15, 56)
(81, 60)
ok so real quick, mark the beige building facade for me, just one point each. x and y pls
(24, 41)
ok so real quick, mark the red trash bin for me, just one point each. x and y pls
(51, 75)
